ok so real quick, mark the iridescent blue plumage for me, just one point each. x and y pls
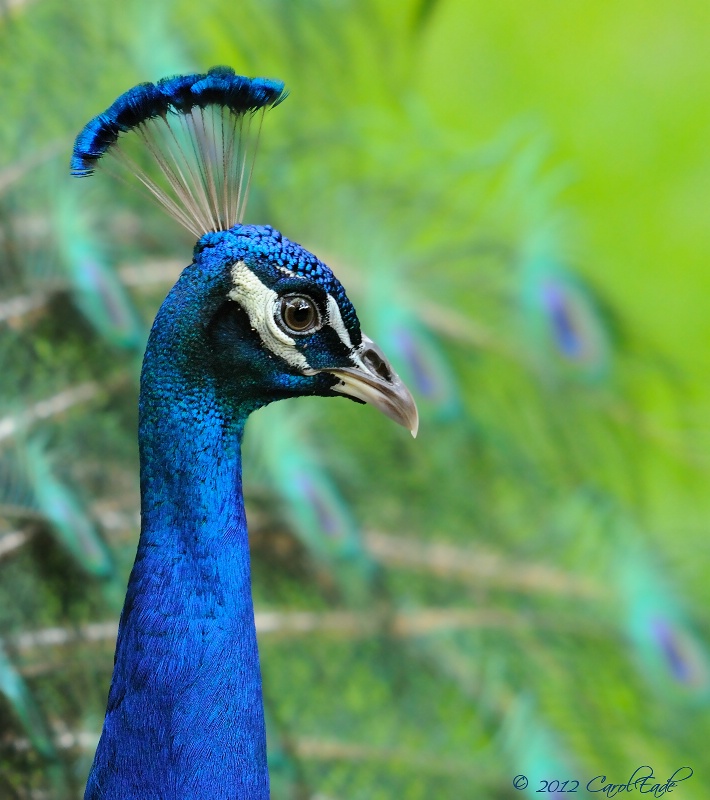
(255, 318)
(272, 254)
(185, 715)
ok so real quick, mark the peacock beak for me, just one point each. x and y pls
(373, 381)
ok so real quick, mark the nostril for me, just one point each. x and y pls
(376, 363)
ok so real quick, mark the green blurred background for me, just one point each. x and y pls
(515, 197)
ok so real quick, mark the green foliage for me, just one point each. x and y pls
(490, 603)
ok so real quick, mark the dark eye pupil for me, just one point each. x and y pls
(298, 313)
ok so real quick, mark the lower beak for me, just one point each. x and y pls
(374, 381)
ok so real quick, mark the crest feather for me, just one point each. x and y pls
(198, 130)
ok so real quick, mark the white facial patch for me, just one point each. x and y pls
(261, 304)
(335, 320)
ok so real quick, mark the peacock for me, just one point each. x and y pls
(253, 319)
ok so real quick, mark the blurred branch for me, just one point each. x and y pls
(148, 273)
(448, 561)
(416, 622)
(293, 623)
(330, 750)
(13, 310)
(308, 748)
(14, 172)
(10, 5)
(52, 406)
(349, 624)
(64, 740)
(12, 541)
(55, 637)
(455, 326)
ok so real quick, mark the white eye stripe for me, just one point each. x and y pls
(335, 320)
(261, 303)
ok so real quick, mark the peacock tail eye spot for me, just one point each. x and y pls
(299, 314)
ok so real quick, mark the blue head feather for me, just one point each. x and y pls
(185, 713)
(272, 257)
(187, 646)
(244, 369)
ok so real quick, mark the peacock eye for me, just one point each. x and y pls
(299, 314)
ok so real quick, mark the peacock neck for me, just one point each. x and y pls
(185, 713)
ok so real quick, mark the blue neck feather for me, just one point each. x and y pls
(185, 714)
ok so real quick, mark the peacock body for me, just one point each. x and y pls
(253, 319)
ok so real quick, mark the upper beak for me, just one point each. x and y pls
(374, 381)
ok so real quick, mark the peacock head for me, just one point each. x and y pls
(276, 323)
(255, 314)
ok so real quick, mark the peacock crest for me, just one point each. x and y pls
(199, 134)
